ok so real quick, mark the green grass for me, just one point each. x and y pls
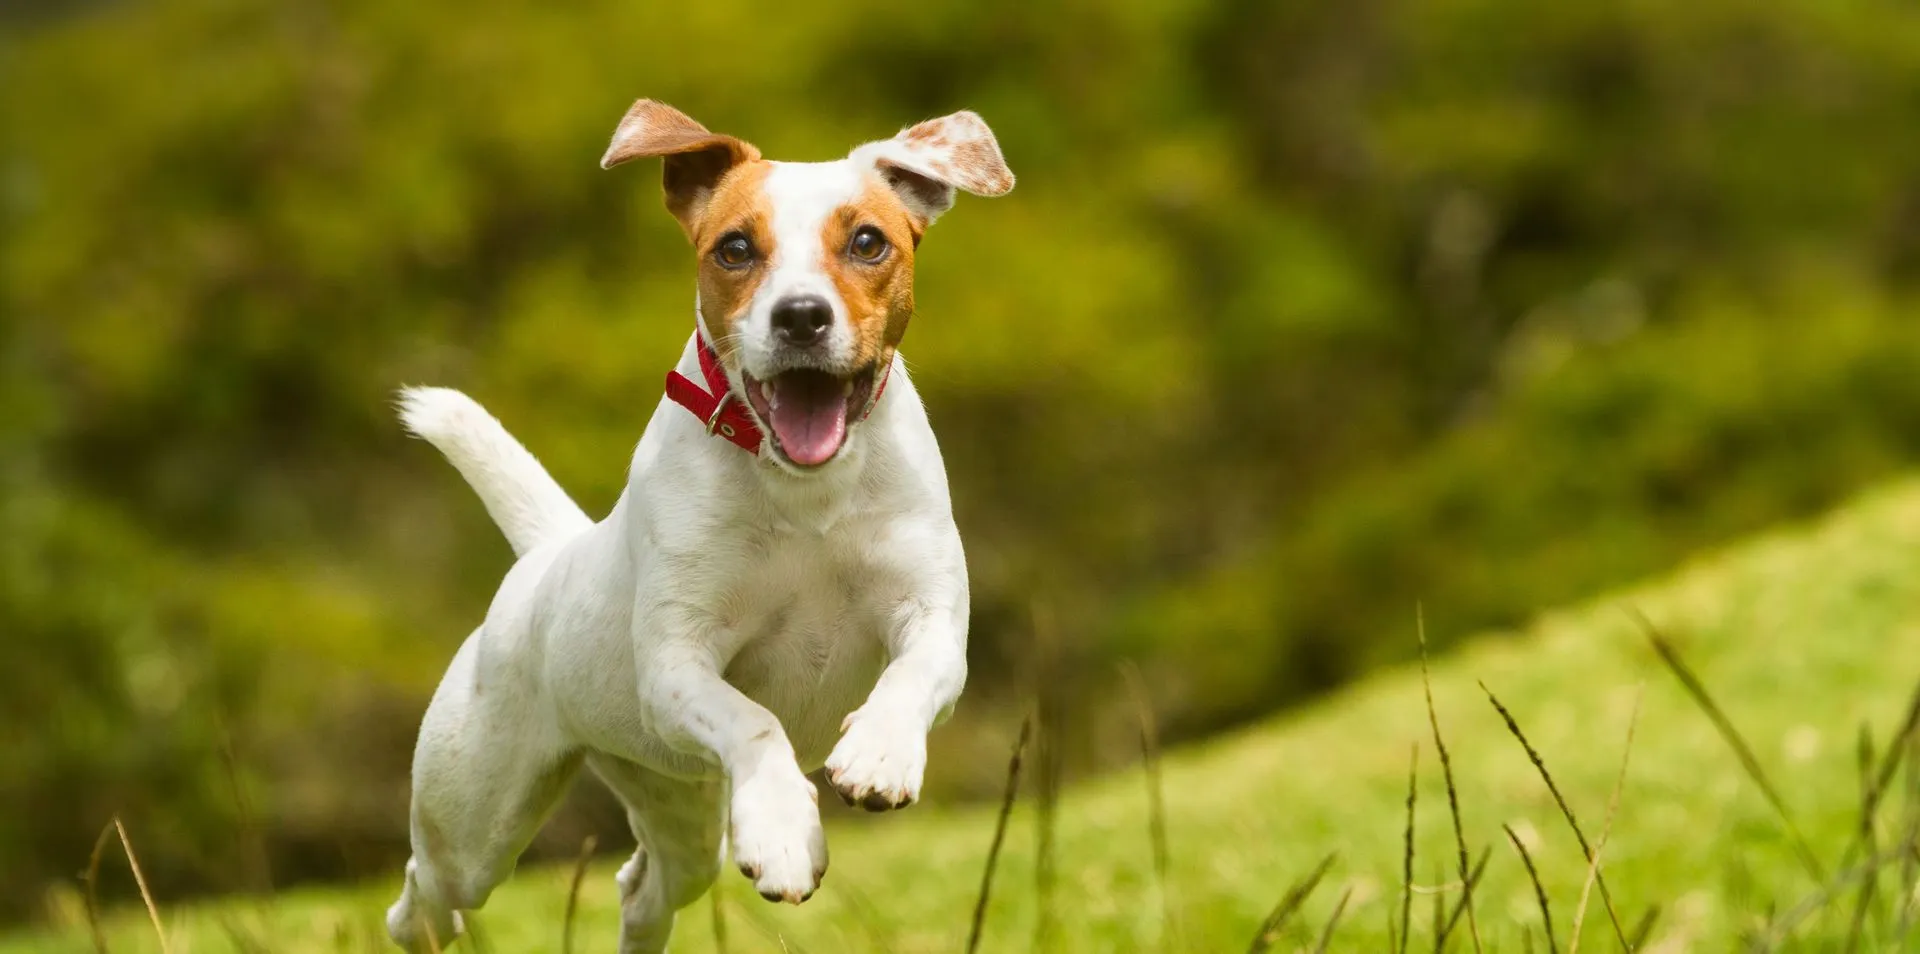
(1802, 637)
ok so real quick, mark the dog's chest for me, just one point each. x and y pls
(812, 612)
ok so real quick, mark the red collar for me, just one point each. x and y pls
(721, 410)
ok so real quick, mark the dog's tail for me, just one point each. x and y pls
(521, 496)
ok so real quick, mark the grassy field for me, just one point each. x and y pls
(1803, 638)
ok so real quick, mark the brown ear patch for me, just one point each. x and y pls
(960, 150)
(927, 162)
(696, 158)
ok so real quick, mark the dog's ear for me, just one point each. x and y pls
(695, 157)
(927, 162)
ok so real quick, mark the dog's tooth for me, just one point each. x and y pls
(846, 387)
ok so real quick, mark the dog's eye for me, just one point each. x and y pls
(734, 251)
(867, 244)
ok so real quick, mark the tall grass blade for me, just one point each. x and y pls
(999, 835)
(1326, 934)
(1899, 752)
(1910, 861)
(1467, 886)
(1287, 907)
(1406, 863)
(1566, 811)
(1539, 892)
(1779, 928)
(1446, 770)
(1867, 835)
(1643, 929)
(1734, 740)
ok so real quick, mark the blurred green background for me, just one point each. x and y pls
(1301, 314)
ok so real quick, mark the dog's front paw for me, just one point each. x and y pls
(879, 762)
(777, 839)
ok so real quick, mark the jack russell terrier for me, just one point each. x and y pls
(780, 583)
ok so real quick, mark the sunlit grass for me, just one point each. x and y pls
(1802, 638)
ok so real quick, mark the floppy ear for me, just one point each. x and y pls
(695, 158)
(927, 162)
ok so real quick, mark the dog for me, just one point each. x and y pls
(781, 585)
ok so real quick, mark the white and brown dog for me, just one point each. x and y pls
(781, 579)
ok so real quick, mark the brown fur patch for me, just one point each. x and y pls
(878, 295)
(739, 204)
(960, 150)
(696, 159)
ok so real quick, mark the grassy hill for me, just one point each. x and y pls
(1803, 638)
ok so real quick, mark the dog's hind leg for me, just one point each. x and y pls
(679, 825)
(486, 772)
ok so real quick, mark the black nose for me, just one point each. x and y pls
(801, 319)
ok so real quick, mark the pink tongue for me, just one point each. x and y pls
(809, 416)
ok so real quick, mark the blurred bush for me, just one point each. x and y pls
(1302, 313)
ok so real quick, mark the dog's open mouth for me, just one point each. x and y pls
(808, 411)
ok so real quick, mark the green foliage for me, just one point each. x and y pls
(1301, 313)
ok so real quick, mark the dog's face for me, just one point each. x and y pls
(806, 269)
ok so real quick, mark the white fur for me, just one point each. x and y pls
(800, 196)
(728, 626)
(517, 492)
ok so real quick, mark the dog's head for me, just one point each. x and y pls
(806, 269)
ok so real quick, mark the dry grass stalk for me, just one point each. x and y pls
(433, 937)
(573, 891)
(1606, 827)
(140, 881)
